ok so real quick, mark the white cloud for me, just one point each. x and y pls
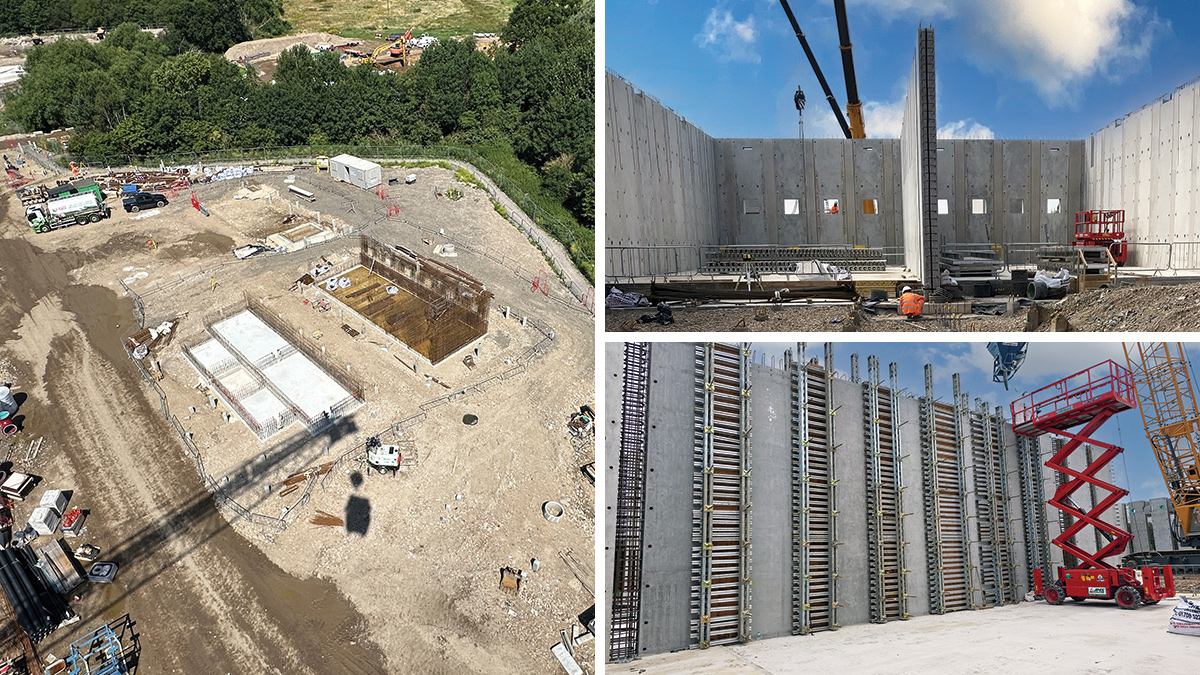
(883, 120)
(732, 40)
(967, 128)
(1056, 45)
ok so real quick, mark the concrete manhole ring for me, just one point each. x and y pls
(553, 511)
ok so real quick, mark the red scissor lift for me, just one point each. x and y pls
(1089, 398)
(1103, 228)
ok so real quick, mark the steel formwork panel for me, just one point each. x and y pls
(721, 523)
(945, 509)
(885, 548)
(815, 499)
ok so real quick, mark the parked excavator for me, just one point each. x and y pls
(1162, 377)
(856, 127)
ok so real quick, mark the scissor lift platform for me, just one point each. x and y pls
(1089, 398)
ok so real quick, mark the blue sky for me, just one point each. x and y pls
(1005, 68)
(1045, 363)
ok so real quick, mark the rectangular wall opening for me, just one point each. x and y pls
(751, 207)
(1016, 206)
(978, 206)
(830, 206)
(943, 207)
(870, 207)
(1053, 206)
(791, 207)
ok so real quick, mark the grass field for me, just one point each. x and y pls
(364, 18)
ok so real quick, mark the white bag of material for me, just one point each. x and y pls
(1186, 619)
(1062, 278)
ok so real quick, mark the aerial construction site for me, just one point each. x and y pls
(303, 416)
(772, 512)
(796, 234)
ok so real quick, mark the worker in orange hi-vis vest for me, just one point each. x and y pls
(911, 303)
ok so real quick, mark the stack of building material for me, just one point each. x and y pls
(72, 522)
(39, 609)
(59, 569)
(44, 520)
(55, 500)
(17, 486)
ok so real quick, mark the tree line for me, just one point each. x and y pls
(209, 25)
(532, 96)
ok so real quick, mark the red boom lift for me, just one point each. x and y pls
(1102, 228)
(1089, 398)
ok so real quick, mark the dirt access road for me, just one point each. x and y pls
(204, 599)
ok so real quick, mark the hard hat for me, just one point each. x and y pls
(907, 289)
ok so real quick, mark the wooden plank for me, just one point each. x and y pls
(364, 290)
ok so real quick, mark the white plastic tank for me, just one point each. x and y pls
(7, 402)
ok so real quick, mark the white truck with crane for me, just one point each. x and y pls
(66, 210)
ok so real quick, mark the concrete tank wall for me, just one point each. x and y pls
(660, 173)
(1148, 163)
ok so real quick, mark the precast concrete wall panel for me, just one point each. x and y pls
(829, 166)
(1016, 162)
(868, 184)
(771, 477)
(1160, 510)
(660, 181)
(854, 590)
(978, 183)
(1148, 163)
(950, 189)
(910, 174)
(1054, 162)
(667, 552)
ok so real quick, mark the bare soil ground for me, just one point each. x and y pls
(410, 587)
(1030, 637)
(457, 15)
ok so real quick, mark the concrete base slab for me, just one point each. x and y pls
(1030, 637)
(249, 335)
(305, 384)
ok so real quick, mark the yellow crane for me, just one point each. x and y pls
(1167, 400)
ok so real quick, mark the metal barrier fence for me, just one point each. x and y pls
(628, 262)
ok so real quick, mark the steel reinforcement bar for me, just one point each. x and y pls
(630, 506)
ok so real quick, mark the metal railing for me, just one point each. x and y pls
(629, 262)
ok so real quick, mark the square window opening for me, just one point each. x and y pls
(1016, 206)
(870, 207)
(978, 206)
(943, 207)
(1053, 206)
(791, 207)
(830, 206)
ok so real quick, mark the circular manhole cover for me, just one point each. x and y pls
(470, 420)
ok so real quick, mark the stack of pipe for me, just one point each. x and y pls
(39, 610)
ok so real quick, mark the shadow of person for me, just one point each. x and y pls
(358, 515)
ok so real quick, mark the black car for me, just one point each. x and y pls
(143, 200)
(395, 36)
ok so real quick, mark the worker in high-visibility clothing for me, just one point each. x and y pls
(911, 303)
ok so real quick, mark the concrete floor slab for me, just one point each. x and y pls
(249, 335)
(262, 405)
(305, 384)
(1030, 637)
(211, 353)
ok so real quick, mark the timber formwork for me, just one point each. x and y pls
(1033, 508)
(814, 498)
(885, 537)
(944, 503)
(998, 477)
(721, 525)
(630, 506)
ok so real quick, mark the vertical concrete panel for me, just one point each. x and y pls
(828, 165)
(1016, 523)
(999, 187)
(850, 463)
(660, 185)
(912, 504)
(1160, 511)
(947, 167)
(771, 482)
(745, 158)
(789, 184)
(1148, 163)
(961, 196)
(667, 553)
(614, 359)
(979, 183)
(849, 206)
(868, 183)
(1016, 187)
(1054, 177)
(1139, 526)
(890, 208)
